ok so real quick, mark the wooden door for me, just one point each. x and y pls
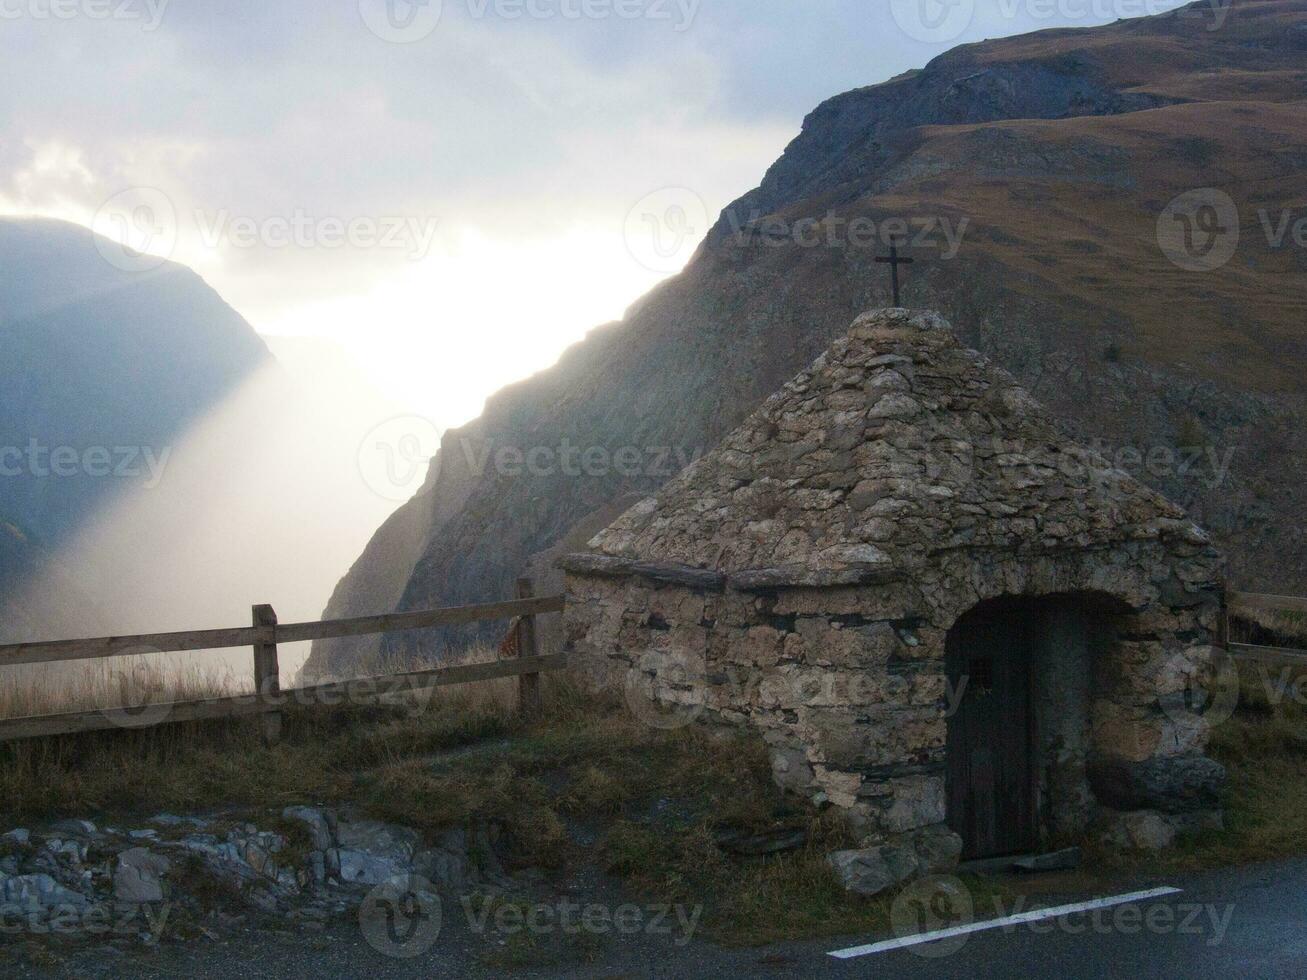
(991, 768)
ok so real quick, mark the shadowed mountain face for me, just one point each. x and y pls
(1029, 178)
(95, 357)
(101, 370)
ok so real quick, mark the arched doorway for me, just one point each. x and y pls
(1020, 675)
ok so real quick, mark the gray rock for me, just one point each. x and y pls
(372, 852)
(37, 891)
(66, 851)
(1067, 859)
(918, 802)
(138, 878)
(938, 850)
(1144, 830)
(1174, 785)
(361, 868)
(74, 828)
(872, 870)
(17, 836)
(377, 838)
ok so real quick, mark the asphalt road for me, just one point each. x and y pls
(1248, 922)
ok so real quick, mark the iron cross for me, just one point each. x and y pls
(894, 261)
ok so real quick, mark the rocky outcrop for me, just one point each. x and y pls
(1189, 380)
(214, 872)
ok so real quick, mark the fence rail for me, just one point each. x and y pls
(1237, 603)
(269, 698)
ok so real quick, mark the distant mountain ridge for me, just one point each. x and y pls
(94, 356)
(1059, 151)
(105, 368)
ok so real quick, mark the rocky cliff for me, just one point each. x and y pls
(1029, 178)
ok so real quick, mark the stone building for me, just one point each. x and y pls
(941, 614)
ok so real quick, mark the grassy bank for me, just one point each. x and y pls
(586, 785)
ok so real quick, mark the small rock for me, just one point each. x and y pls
(39, 891)
(69, 851)
(75, 828)
(938, 850)
(17, 836)
(1067, 859)
(147, 834)
(872, 870)
(1144, 830)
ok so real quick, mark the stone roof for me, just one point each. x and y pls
(896, 445)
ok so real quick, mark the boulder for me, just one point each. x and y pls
(139, 876)
(1171, 785)
(872, 870)
(17, 836)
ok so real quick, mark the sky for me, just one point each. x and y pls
(439, 195)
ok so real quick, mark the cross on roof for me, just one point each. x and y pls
(894, 260)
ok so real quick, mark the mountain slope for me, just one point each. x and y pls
(95, 357)
(1060, 151)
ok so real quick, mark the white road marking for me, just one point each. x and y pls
(1035, 915)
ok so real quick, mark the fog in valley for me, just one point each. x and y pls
(269, 499)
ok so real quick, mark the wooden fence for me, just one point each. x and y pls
(264, 636)
(1239, 605)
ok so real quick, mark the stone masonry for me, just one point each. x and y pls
(803, 577)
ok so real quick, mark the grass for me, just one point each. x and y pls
(1264, 749)
(586, 785)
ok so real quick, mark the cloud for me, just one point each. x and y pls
(525, 134)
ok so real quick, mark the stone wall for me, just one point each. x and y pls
(847, 685)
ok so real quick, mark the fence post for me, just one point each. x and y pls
(528, 685)
(267, 675)
(1223, 624)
